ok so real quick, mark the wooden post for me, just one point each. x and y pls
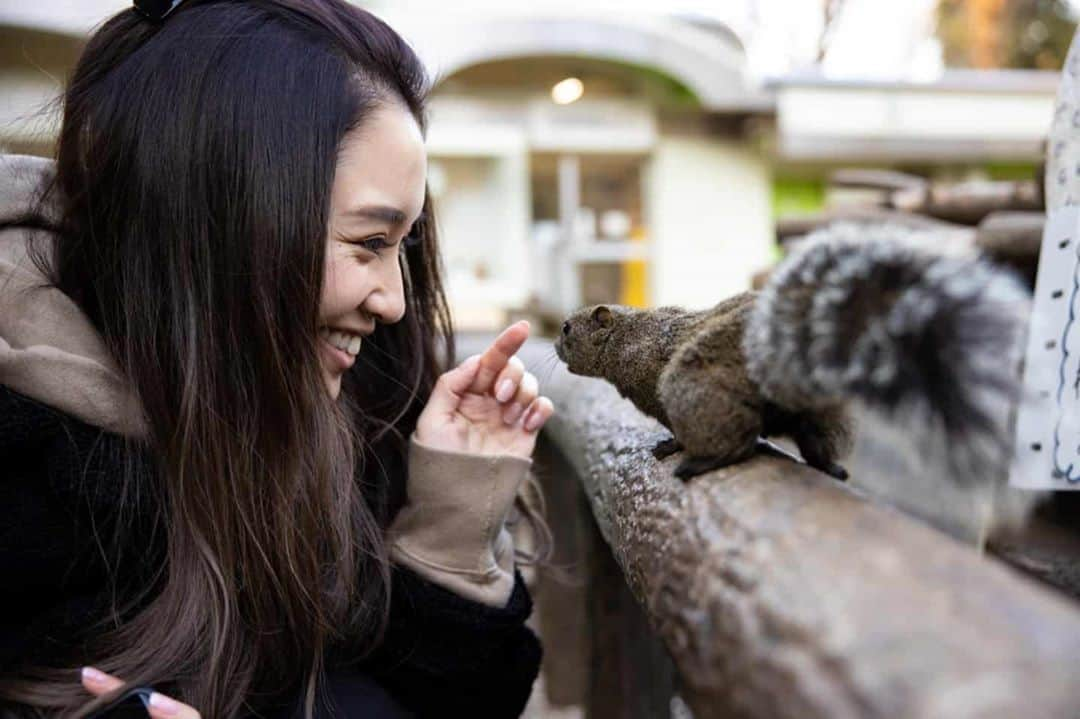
(600, 652)
(631, 674)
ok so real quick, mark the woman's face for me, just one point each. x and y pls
(378, 194)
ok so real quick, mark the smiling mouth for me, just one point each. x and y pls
(341, 346)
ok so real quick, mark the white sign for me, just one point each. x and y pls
(1047, 453)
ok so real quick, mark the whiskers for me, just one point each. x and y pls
(546, 367)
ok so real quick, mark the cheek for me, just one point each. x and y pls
(344, 283)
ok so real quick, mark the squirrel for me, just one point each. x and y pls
(853, 314)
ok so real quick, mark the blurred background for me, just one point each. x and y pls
(651, 153)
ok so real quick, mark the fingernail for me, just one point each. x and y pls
(505, 390)
(93, 675)
(512, 413)
(164, 704)
(532, 422)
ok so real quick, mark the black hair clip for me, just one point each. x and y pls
(156, 10)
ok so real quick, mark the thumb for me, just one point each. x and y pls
(452, 385)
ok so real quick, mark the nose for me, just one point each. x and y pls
(387, 301)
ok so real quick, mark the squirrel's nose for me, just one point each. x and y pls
(566, 328)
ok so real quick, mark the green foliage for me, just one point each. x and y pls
(1011, 171)
(665, 87)
(797, 196)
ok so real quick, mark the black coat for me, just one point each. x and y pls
(442, 655)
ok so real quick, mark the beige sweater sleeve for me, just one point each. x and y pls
(451, 530)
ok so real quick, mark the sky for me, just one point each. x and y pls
(872, 39)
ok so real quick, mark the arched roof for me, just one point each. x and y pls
(709, 61)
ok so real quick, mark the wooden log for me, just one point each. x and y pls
(789, 228)
(875, 179)
(1011, 234)
(599, 652)
(562, 598)
(781, 593)
(968, 203)
(631, 675)
(1044, 550)
(1013, 239)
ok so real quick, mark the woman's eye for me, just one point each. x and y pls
(374, 244)
(379, 243)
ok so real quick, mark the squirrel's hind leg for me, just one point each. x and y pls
(719, 431)
(713, 408)
(822, 437)
(693, 466)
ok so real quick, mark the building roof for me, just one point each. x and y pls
(709, 62)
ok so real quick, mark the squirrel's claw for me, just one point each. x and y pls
(830, 468)
(835, 470)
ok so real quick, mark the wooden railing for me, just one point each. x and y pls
(779, 592)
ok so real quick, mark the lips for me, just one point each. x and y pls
(337, 360)
(342, 339)
(340, 347)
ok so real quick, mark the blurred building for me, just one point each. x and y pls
(639, 185)
(580, 158)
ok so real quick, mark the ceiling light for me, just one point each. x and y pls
(566, 91)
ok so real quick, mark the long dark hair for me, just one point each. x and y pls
(194, 169)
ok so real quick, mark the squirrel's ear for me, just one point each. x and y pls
(602, 316)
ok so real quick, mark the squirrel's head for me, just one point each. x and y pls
(584, 336)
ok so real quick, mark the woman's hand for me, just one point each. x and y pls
(487, 405)
(161, 707)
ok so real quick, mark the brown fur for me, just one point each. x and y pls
(688, 370)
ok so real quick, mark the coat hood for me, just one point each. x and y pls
(49, 350)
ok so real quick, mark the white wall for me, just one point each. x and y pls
(483, 215)
(709, 218)
(1000, 118)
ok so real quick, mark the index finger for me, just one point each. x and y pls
(98, 682)
(498, 354)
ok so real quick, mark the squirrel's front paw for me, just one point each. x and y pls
(666, 448)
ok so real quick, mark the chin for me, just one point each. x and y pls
(333, 386)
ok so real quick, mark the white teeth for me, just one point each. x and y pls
(344, 341)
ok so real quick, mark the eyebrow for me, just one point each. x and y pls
(379, 213)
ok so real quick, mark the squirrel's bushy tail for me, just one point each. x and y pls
(927, 339)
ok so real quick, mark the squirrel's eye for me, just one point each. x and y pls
(566, 328)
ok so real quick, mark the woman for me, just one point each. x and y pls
(237, 475)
